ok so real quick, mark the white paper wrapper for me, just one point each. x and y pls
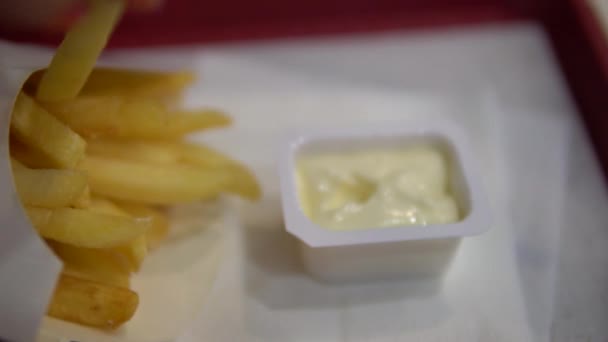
(172, 284)
(28, 270)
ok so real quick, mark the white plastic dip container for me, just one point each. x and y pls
(384, 252)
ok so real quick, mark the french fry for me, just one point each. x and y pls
(105, 206)
(133, 251)
(142, 151)
(49, 188)
(76, 56)
(108, 81)
(98, 264)
(132, 118)
(161, 152)
(98, 258)
(152, 184)
(115, 262)
(85, 228)
(27, 156)
(243, 182)
(84, 200)
(120, 279)
(35, 128)
(92, 303)
(197, 154)
(160, 224)
(189, 121)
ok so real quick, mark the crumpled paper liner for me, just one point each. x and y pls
(28, 269)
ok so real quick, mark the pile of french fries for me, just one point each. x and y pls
(97, 155)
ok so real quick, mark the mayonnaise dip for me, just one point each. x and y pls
(376, 187)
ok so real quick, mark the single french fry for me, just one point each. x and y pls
(84, 200)
(120, 279)
(98, 264)
(160, 223)
(106, 206)
(188, 121)
(243, 182)
(92, 303)
(49, 188)
(152, 184)
(85, 228)
(133, 251)
(132, 117)
(161, 152)
(83, 257)
(142, 151)
(35, 128)
(76, 56)
(200, 155)
(27, 156)
(124, 82)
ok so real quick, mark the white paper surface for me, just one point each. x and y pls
(263, 294)
(28, 270)
(515, 59)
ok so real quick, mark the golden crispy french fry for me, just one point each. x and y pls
(98, 264)
(105, 206)
(49, 188)
(133, 251)
(197, 154)
(158, 232)
(82, 257)
(132, 118)
(85, 228)
(143, 151)
(84, 200)
(109, 81)
(160, 223)
(161, 152)
(152, 184)
(76, 56)
(113, 263)
(27, 156)
(243, 182)
(120, 279)
(92, 303)
(41, 132)
(188, 121)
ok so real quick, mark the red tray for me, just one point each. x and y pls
(574, 31)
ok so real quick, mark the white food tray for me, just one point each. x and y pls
(529, 142)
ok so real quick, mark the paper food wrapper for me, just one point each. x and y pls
(28, 269)
(172, 284)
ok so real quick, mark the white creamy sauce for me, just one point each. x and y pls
(376, 188)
